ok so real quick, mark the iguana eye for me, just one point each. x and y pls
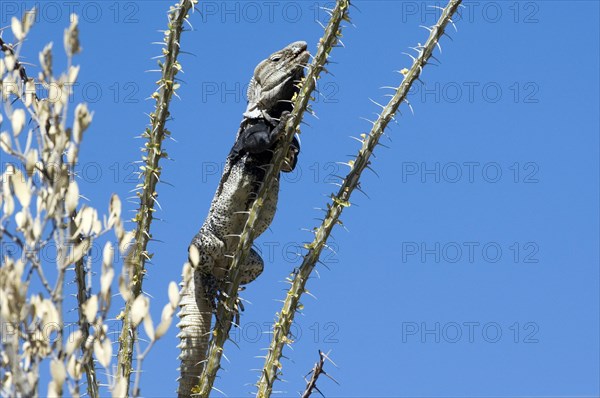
(275, 58)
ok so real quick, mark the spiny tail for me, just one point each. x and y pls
(195, 317)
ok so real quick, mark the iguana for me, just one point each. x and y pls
(270, 91)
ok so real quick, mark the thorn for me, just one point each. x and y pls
(189, 23)
(374, 172)
(330, 249)
(355, 6)
(377, 103)
(344, 226)
(411, 57)
(345, 164)
(216, 389)
(319, 391)
(363, 192)
(370, 121)
(409, 106)
(418, 49)
(234, 343)
(356, 138)
(327, 10)
(334, 380)
(383, 145)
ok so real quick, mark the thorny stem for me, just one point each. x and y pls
(138, 255)
(284, 320)
(84, 326)
(225, 312)
(316, 372)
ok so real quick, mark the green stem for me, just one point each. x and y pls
(136, 258)
(281, 330)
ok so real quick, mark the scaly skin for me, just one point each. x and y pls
(270, 91)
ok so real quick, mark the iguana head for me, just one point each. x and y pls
(274, 81)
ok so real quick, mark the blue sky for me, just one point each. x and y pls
(472, 268)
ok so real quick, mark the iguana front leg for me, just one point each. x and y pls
(211, 262)
(205, 253)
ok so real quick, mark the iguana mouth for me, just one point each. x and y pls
(301, 54)
(299, 48)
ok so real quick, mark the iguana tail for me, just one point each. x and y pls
(195, 315)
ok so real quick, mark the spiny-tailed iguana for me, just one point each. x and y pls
(269, 102)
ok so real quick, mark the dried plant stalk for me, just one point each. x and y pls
(49, 213)
(40, 205)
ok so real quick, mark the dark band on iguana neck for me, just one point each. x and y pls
(259, 140)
